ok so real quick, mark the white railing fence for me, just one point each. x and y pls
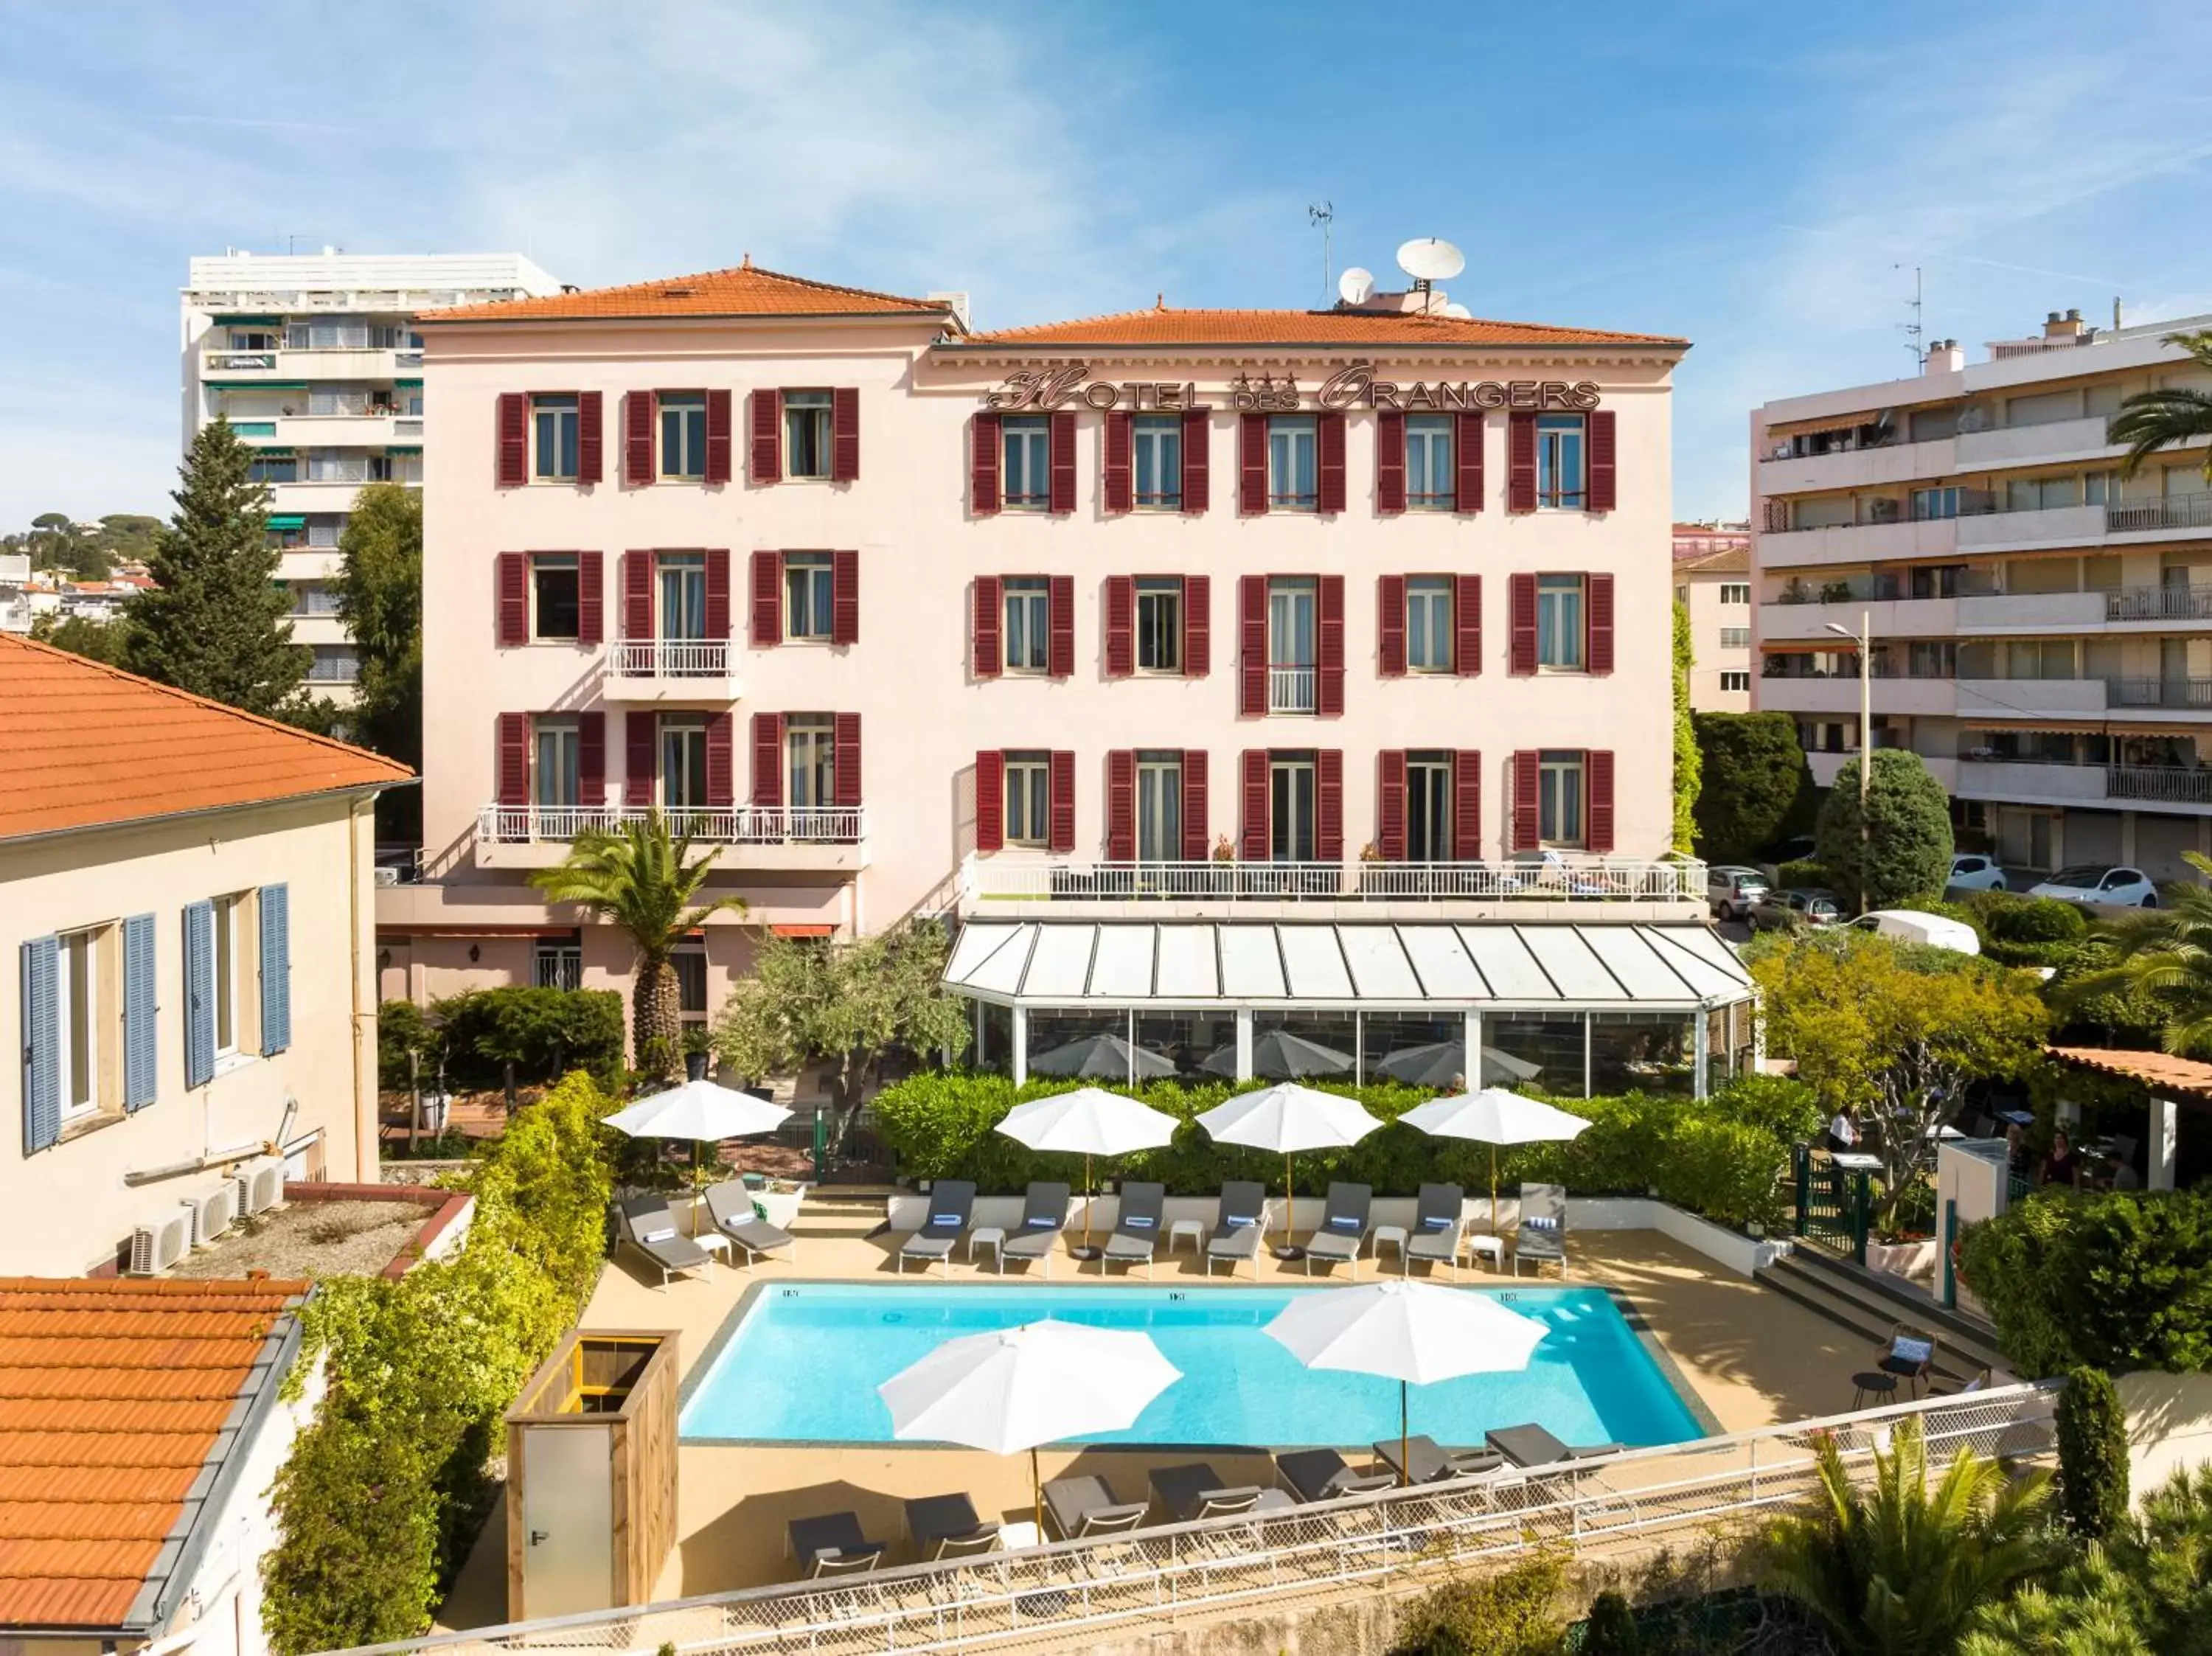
(1553, 876)
(737, 825)
(1290, 689)
(670, 657)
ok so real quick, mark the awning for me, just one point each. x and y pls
(407, 385)
(394, 448)
(796, 931)
(232, 319)
(286, 520)
(1833, 423)
(1410, 964)
(256, 385)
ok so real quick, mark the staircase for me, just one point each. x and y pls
(1872, 1303)
(851, 1211)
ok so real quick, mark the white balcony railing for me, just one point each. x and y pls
(1553, 876)
(670, 657)
(734, 825)
(240, 361)
(1290, 689)
(2175, 511)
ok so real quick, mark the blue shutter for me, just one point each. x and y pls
(140, 1079)
(275, 929)
(42, 1074)
(199, 994)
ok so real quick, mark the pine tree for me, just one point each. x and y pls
(214, 622)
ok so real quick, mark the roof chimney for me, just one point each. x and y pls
(1944, 356)
(2068, 326)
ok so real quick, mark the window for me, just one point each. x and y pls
(1681, 595)
(233, 920)
(683, 434)
(1028, 799)
(1731, 682)
(2042, 494)
(688, 957)
(1559, 475)
(559, 962)
(1559, 621)
(77, 1010)
(272, 468)
(1160, 461)
(1430, 483)
(1929, 505)
(1291, 646)
(1429, 624)
(554, 427)
(808, 590)
(1029, 623)
(806, 434)
(1736, 638)
(1159, 807)
(1735, 592)
(557, 595)
(1159, 626)
(1428, 807)
(683, 764)
(1290, 811)
(255, 339)
(682, 580)
(1027, 450)
(2097, 488)
(1560, 798)
(810, 742)
(554, 776)
(1291, 465)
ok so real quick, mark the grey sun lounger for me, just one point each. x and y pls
(1428, 1461)
(1439, 1223)
(946, 1526)
(831, 1545)
(1195, 1490)
(1136, 1226)
(1086, 1505)
(1532, 1446)
(1237, 1233)
(1344, 1225)
(1324, 1475)
(731, 1205)
(1044, 1216)
(1542, 1238)
(951, 1202)
(650, 1228)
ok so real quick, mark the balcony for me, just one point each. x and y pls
(2031, 445)
(1291, 689)
(671, 670)
(2175, 512)
(326, 363)
(2170, 695)
(1934, 538)
(2159, 603)
(812, 840)
(1874, 465)
(1838, 696)
(2174, 789)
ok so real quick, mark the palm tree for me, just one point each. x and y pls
(640, 877)
(1897, 1569)
(2164, 955)
(2153, 420)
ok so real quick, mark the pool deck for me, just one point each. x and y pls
(1749, 1356)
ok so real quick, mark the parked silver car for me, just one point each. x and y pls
(1732, 892)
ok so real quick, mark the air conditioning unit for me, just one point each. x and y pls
(211, 1211)
(156, 1247)
(387, 877)
(259, 1184)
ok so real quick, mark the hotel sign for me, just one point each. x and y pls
(1353, 385)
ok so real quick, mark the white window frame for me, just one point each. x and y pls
(809, 761)
(1293, 808)
(680, 421)
(1736, 638)
(680, 751)
(1028, 799)
(1293, 645)
(691, 951)
(1025, 464)
(1029, 598)
(556, 776)
(1561, 630)
(224, 974)
(1735, 592)
(557, 413)
(808, 425)
(1732, 681)
(555, 562)
(1159, 807)
(1431, 474)
(1162, 632)
(809, 596)
(1429, 635)
(76, 1022)
(1563, 799)
(682, 575)
(1428, 775)
(1156, 453)
(1562, 463)
(1293, 459)
(557, 963)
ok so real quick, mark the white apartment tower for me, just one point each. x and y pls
(315, 360)
(2041, 629)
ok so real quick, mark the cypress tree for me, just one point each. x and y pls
(214, 623)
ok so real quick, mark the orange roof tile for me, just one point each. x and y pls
(2187, 1077)
(1162, 326)
(113, 1395)
(746, 290)
(84, 745)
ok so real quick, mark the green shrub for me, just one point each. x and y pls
(1752, 774)
(2033, 919)
(1907, 848)
(1611, 1630)
(1512, 1612)
(2093, 1455)
(401, 1030)
(544, 1033)
(1803, 872)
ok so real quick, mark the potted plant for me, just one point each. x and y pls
(1903, 1242)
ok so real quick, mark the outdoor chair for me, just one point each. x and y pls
(1542, 1237)
(1532, 1446)
(951, 1202)
(1910, 1357)
(1551, 1462)
(1195, 1490)
(830, 1545)
(1439, 1224)
(1237, 1233)
(1324, 1475)
(1044, 1216)
(1426, 1461)
(1136, 1226)
(1085, 1506)
(650, 1228)
(946, 1527)
(1344, 1225)
(731, 1205)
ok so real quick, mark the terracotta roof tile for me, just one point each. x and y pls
(2188, 1076)
(85, 744)
(1161, 326)
(746, 290)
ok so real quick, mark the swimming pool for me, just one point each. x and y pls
(803, 1363)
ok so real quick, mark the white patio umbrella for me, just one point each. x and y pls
(1493, 1116)
(1087, 1122)
(703, 1112)
(1287, 1118)
(1415, 1333)
(1102, 1058)
(1013, 1388)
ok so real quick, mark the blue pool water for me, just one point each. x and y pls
(804, 1363)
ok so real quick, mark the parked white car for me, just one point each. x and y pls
(1972, 871)
(1733, 890)
(2130, 888)
(1910, 926)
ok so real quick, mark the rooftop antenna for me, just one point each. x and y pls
(1913, 329)
(1323, 214)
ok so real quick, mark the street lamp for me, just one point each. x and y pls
(1864, 641)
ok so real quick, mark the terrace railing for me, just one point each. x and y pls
(669, 657)
(1555, 876)
(740, 825)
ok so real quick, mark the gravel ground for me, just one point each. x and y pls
(312, 1239)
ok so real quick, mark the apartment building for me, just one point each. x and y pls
(2041, 629)
(1712, 581)
(315, 360)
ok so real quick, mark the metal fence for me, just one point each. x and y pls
(2174, 511)
(1555, 876)
(670, 657)
(1619, 1507)
(740, 825)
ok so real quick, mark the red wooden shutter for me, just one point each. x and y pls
(1328, 618)
(768, 760)
(513, 756)
(1330, 452)
(1119, 480)
(983, 465)
(718, 593)
(637, 595)
(1120, 626)
(1598, 654)
(511, 581)
(1194, 846)
(512, 457)
(1466, 625)
(1389, 461)
(844, 598)
(768, 599)
(1597, 766)
(845, 435)
(1521, 591)
(991, 800)
(846, 736)
(1252, 646)
(1059, 788)
(1603, 482)
(592, 761)
(1121, 805)
(1197, 460)
(641, 756)
(1520, 462)
(1329, 805)
(766, 459)
(1467, 463)
(1252, 464)
(1466, 806)
(1390, 615)
(1197, 626)
(1526, 829)
(1390, 805)
(1060, 649)
(590, 425)
(720, 440)
(985, 658)
(591, 598)
(637, 437)
(1062, 446)
(721, 778)
(1255, 824)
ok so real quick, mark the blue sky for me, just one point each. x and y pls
(1748, 176)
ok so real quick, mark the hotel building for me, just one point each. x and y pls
(1712, 581)
(2042, 630)
(1157, 650)
(315, 361)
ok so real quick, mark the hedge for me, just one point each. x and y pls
(544, 1033)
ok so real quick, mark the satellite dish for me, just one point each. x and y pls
(1427, 258)
(1457, 312)
(1356, 286)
